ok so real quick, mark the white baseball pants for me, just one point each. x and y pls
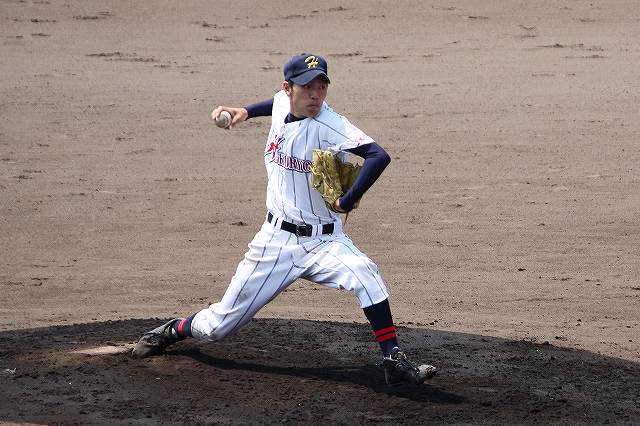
(275, 259)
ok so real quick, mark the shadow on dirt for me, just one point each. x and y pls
(366, 376)
(295, 371)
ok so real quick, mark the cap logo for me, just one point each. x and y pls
(311, 62)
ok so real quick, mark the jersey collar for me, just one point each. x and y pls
(290, 118)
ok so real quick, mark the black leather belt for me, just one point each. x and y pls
(301, 230)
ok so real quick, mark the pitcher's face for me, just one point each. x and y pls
(306, 101)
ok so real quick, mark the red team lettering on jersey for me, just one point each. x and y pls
(272, 147)
(286, 161)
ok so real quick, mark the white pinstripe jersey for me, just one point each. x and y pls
(288, 154)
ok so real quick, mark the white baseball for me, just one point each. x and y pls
(223, 120)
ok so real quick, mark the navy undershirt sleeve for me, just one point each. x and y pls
(376, 160)
(260, 109)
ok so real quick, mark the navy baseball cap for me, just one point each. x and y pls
(303, 68)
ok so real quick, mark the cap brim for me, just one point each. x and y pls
(305, 78)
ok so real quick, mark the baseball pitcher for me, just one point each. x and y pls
(302, 235)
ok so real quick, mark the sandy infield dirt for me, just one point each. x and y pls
(506, 226)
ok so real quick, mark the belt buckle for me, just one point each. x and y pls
(304, 230)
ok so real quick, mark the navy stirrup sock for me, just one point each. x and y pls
(379, 315)
(182, 328)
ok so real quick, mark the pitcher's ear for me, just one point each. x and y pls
(287, 87)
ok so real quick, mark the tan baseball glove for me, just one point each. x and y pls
(331, 177)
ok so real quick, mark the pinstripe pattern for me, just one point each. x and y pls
(277, 258)
(359, 255)
(245, 282)
(283, 284)
(357, 138)
(293, 174)
(329, 126)
(322, 263)
(334, 283)
(354, 275)
(257, 293)
(309, 157)
(289, 193)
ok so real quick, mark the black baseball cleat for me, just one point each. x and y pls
(153, 342)
(398, 369)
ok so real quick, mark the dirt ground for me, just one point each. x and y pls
(506, 226)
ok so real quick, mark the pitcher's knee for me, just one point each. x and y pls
(368, 297)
